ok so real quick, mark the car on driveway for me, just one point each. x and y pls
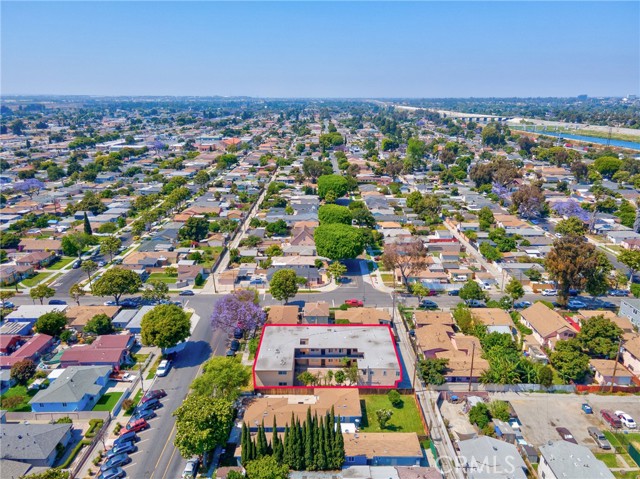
(454, 292)
(586, 408)
(113, 473)
(115, 461)
(428, 304)
(186, 292)
(522, 304)
(566, 435)
(626, 419)
(136, 426)
(599, 438)
(549, 292)
(354, 302)
(474, 303)
(153, 394)
(127, 377)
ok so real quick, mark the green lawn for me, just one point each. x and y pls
(137, 359)
(162, 277)
(136, 400)
(404, 419)
(61, 263)
(18, 391)
(609, 458)
(154, 367)
(38, 278)
(107, 402)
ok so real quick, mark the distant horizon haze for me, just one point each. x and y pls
(321, 50)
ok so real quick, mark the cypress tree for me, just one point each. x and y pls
(244, 444)
(308, 442)
(261, 442)
(299, 447)
(288, 448)
(87, 225)
(338, 449)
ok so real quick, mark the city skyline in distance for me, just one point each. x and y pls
(321, 50)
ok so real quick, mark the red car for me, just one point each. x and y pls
(154, 394)
(354, 302)
(135, 426)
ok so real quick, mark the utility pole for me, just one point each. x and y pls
(615, 366)
(473, 353)
(141, 379)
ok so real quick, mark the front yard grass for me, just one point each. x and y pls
(34, 280)
(137, 359)
(405, 418)
(136, 400)
(162, 277)
(154, 367)
(17, 391)
(609, 458)
(107, 402)
(61, 263)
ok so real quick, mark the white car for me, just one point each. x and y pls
(163, 368)
(128, 377)
(549, 292)
(627, 420)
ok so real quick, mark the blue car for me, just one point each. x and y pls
(122, 448)
(115, 461)
(586, 408)
(143, 414)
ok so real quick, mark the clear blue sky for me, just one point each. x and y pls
(324, 49)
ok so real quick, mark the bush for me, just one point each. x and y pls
(116, 430)
(11, 402)
(74, 453)
(198, 280)
(394, 398)
(94, 427)
(128, 406)
(479, 415)
(64, 420)
(635, 290)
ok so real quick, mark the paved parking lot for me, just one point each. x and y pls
(540, 414)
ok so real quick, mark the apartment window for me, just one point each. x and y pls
(397, 374)
(384, 373)
(41, 405)
(304, 342)
(64, 404)
(282, 383)
(282, 373)
(371, 372)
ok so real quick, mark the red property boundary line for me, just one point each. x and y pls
(391, 337)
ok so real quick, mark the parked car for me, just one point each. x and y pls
(145, 414)
(522, 304)
(599, 438)
(113, 473)
(57, 301)
(150, 405)
(122, 448)
(354, 302)
(136, 426)
(76, 264)
(576, 304)
(191, 469)
(234, 345)
(237, 333)
(127, 377)
(186, 292)
(618, 292)
(566, 435)
(102, 264)
(454, 292)
(110, 303)
(549, 292)
(153, 394)
(610, 418)
(7, 305)
(586, 408)
(128, 437)
(163, 368)
(626, 419)
(474, 303)
(230, 353)
(428, 304)
(115, 461)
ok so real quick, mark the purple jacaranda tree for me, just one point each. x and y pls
(30, 186)
(500, 190)
(570, 208)
(237, 310)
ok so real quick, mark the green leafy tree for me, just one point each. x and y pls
(394, 398)
(419, 290)
(165, 326)
(490, 252)
(570, 361)
(307, 378)
(336, 270)
(277, 228)
(514, 289)
(267, 468)
(99, 324)
(110, 245)
(545, 376)
(432, 370)
(202, 178)
(607, 166)
(194, 229)
(486, 218)
(22, 371)
(599, 337)
(52, 323)
(479, 415)
(222, 377)
(383, 416)
(116, 282)
(41, 291)
(73, 244)
(571, 226)
(89, 267)
(338, 241)
(328, 214)
(500, 410)
(631, 259)
(339, 185)
(156, 290)
(283, 285)
(472, 290)
(202, 423)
